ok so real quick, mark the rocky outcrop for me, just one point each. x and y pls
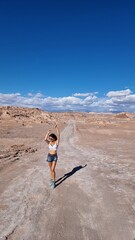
(31, 115)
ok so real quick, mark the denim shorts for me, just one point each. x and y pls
(52, 157)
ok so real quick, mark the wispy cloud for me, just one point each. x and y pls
(119, 93)
(84, 94)
(123, 100)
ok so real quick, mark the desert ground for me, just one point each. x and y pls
(94, 197)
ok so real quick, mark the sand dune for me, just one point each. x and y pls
(94, 198)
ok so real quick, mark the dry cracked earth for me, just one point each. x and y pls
(94, 198)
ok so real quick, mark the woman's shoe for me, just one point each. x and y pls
(53, 184)
(50, 182)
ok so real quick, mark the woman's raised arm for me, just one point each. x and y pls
(58, 133)
(46, 136)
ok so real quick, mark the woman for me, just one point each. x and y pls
(53, 141)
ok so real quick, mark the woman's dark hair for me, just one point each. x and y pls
(52, 135)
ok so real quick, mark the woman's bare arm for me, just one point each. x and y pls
(46, 136)
(58, 133)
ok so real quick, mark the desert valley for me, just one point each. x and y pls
(94, 197)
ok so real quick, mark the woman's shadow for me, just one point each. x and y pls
(69, 174)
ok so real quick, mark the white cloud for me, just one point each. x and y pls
(119, 93)
(81, 94)
(123, 100)
(30, 94)
(7, 98)
(84, 94)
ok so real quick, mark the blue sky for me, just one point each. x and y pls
(68, 55)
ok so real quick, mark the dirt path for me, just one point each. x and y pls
(82, 206)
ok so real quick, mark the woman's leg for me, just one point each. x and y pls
(52, 166)
(53, 170)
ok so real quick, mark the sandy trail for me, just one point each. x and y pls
(82, 206)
